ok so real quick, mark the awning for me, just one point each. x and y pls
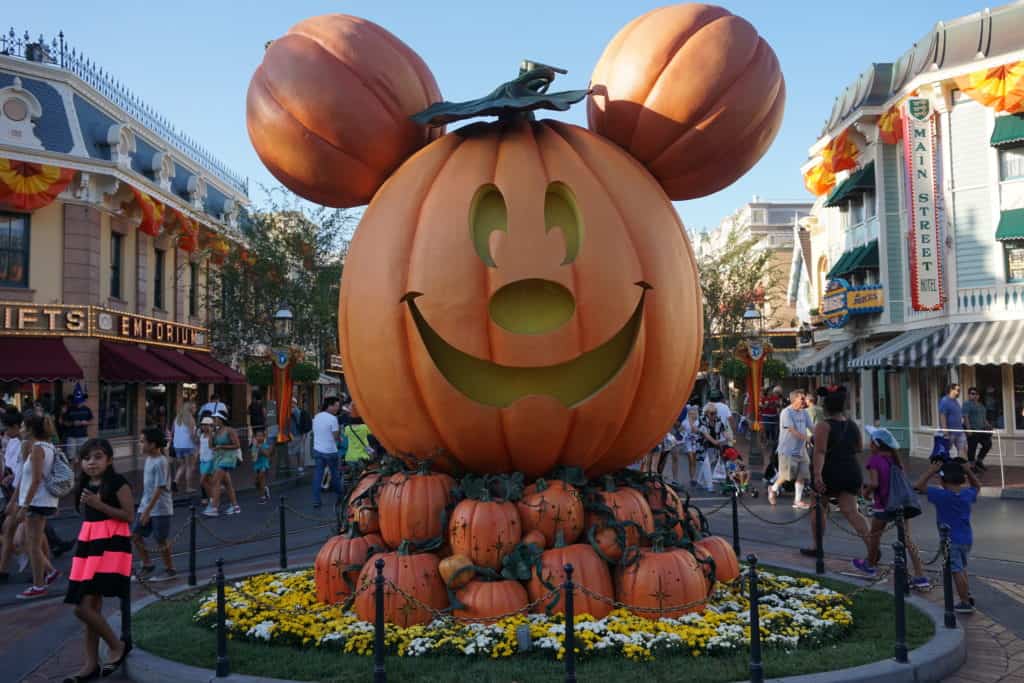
(1009, 130)
(983, 343)
(864, 257)
(327, 380)
(1011, 225)
(36, 359)
(131, 363)
(27, 186)
(859, 182)
(914, 349)
(196, 371)
(832, 359)
(842, 266)
(227, 374)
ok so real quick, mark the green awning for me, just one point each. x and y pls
(1011, 225)
(865, 257)
(1009, 130)
(859, 182)
(840, 268)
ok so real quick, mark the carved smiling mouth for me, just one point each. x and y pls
(500, 386)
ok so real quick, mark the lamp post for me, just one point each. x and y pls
(283, 356)
(753, 350)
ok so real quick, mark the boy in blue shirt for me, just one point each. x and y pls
(953, 503)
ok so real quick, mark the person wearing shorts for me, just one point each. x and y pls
(156, 507)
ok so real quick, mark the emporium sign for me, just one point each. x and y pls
(843, 300)
(926, 286)
(30, 320)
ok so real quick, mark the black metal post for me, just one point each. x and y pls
(192, 545)
(949, 616)
(570, 627)
(756, 667)
(283, 539)
(736, 521)
(901, 536)
(126, 621)
(378, 625)
(900, 602)
(223, 665)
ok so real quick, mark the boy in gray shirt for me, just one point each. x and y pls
(156, 507)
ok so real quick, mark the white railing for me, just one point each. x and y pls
(999, 445)
(1002, 298)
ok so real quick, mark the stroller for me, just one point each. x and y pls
(732, 475)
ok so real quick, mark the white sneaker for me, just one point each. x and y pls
(233, 510)
(211, 511)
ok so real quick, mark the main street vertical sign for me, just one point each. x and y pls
(927, 292)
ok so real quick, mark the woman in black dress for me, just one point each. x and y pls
(835, 466)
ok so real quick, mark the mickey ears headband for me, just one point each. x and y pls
(691, 91)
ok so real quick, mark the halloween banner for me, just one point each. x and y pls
(819, 181)
(152, 212)
(27, 186)
(924, 207)
(840, 154)
(1001, 88)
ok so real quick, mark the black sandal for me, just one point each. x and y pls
(91, 676)
(111, 668)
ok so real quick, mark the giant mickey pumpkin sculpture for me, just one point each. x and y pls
(520, 294)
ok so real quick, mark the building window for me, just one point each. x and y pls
(856, 211)
(158, 278)
(193, 289)
(13, 250)
(116, 256)
(894, 390)
(930, 385)
(870, 210)
(1011, 163)
(115, 408)
(1014, 260)
(989, 381)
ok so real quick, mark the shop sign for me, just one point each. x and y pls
(927, 292)
(30, 320)
(334, 364)
(843, 300)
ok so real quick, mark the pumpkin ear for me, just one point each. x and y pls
(693, 92)
(328, 109)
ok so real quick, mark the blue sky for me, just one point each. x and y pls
(192, 60)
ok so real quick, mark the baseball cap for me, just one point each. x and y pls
(221, 415)
(883, 436)
(206, 420)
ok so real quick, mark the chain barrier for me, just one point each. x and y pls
(718, 509)
(228, 542)
(310, 518)
(773, 522)
(615, 604)
(171, 540)
(185, 596)
(853, 532)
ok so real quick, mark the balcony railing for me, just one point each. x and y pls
(58, 54)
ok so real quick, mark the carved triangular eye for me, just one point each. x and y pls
(487, 213)
(560, 211)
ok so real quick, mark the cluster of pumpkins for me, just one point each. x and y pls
(488, 546)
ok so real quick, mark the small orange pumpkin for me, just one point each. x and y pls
(666, 506)
(362, 504)
(626, 505)
(339, 562)
(487, 601)
(550, 506)
(727, 567)
(662, 579)
(328, 109)
(481, 527)
(416, 575)
(589, 571)
(456, 571)
(693, 92)
(411, 506)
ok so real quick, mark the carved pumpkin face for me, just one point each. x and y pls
(521, 295)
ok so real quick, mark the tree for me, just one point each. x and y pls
(289, 252)
(733, 275)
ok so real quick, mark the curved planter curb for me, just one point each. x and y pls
(940, 657)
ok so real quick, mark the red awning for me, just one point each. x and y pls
(196, 371)
(229, 375)
(36, 359)
(131, 363)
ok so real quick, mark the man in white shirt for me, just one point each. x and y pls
(326, 443)
(794, 462)
(724, 412)
(212, 407)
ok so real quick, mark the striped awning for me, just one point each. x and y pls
(914, 349)
(834, 358)
(983, 343)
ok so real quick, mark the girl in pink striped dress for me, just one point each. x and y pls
(103, 555)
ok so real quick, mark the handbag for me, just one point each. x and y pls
(61, 478)
(901, 497)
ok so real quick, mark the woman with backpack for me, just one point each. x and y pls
(884, 458)
(35, 502)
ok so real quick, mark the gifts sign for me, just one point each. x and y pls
(926, 281)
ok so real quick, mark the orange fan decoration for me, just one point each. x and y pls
(152, 212)
(818, 181)
(840, 154)
(188, 231)
(1001, 88)
(27, 186)
(890, 126)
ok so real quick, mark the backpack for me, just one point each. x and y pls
(901, 497)
(61, 478)
(305, 422)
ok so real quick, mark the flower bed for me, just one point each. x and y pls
(281, 608)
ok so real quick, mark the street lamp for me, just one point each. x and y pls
(283, 357)
(753, 351)
(283, 322)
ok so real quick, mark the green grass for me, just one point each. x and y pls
(166, 629)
